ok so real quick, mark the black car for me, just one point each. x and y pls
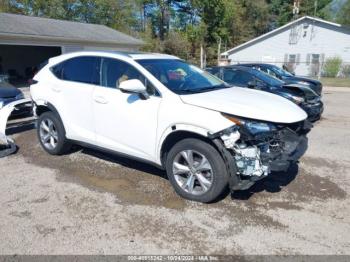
(287, 77)
(301, 95)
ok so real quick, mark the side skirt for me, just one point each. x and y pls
(116, 153)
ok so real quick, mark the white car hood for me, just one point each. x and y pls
(248, 103)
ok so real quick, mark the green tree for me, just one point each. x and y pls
(314, 8)
(332, 66)
(343, 16)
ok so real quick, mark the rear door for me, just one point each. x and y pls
(78, 78)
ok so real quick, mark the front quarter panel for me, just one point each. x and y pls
(174, 115)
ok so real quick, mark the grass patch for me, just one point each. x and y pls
(342, 82)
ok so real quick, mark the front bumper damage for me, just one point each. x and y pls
(250, 158)
(7, 145)
(313, 110)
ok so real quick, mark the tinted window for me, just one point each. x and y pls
(214, 71)
(113, 72)
(237, 77)
(79, 69)
(57, 70)
(266, 78)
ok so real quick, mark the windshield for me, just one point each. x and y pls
(267, 78)
(180, 77)
(280, 71)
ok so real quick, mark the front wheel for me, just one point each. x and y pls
(196, 170)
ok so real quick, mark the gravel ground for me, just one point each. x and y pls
(91, 203)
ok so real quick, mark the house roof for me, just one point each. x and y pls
(21, 26)
(277, 30)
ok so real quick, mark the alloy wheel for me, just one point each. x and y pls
(193, 172)
(48, 134)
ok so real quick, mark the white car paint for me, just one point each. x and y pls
(248, 103)
(5, 112)
(125, 123)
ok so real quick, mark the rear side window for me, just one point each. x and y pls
(80, 69)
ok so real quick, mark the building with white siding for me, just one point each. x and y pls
(302, 45)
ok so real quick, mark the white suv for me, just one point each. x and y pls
(207, 135)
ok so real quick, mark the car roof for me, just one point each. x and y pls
(133, 55)
(138, 56)
(231, 66)
(255, 64)
(117, 54)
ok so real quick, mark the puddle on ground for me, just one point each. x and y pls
(130, 181)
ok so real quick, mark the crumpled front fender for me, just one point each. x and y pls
(7, 145)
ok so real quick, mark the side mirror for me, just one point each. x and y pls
(251, 84)
(134, 86)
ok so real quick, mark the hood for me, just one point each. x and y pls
(299, 78)
(248, 103)
(8, 92)
(313, 84)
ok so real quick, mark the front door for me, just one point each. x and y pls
(125, 122)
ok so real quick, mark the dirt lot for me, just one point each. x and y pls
(91, 203)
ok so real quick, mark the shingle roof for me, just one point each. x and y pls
(61, 30)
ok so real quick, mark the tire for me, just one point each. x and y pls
(50, 125)
(180, 179)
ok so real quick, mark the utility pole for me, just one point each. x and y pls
(219, 50)
(293, 35)
(296, 7)
(315, 8)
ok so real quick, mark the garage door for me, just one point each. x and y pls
(18, 63)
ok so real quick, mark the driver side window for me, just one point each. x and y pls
(113, 72)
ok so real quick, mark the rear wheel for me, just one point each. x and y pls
(196, 170)
(51, 134)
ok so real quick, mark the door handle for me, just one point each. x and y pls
(100, 100)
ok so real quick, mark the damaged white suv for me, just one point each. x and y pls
(207, 135)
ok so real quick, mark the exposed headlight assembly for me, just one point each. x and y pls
(254, 127)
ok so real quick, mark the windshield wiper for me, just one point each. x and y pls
(200, 90)
(213, 87)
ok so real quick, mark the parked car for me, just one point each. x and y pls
(287, 77)
(8, 94)
(300, 94)
(159, 109)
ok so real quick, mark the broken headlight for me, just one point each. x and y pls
(252, 126)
